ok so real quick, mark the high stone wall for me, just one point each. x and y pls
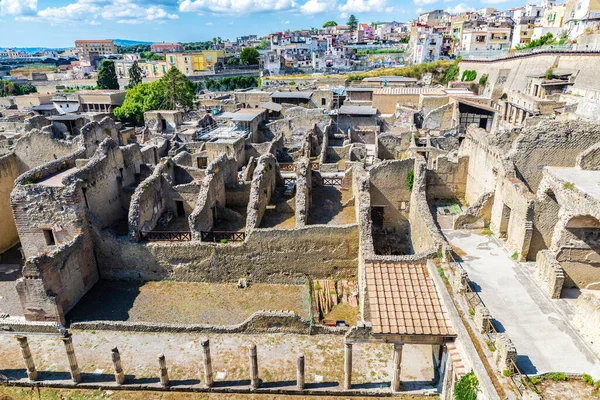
(8, 230)
(264, 181)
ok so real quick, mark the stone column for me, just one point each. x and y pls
(31, 371)
(116, 359)
(397, 367)
(252, 354)
(300, 373)
(348, 366)
(208, 372)
(75, 375)
(164, 374)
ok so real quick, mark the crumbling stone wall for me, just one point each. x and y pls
(37, 148)
(590, 158)
(212, 194)
(587, 317)
(53, 283)
(484, 162)
(264, 180)
(477, 215)
(303, 191)
(448, 178)
(549, 273)
(393, 146)
(8, 173)
(440, 117)
(267, 255)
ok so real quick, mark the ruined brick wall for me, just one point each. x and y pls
(303, 191)
(8, 173)
(425, 235)
(287, 256)
(212, 194)
(393, 146)
(53, 283)
(551, 143)
(263, 183)
(388, 188)
(484, 162)
(37, 148)
(590, 158)
(440, 118)
(148, 202)
(448, 178)
(587, 317)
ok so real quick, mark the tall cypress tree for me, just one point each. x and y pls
(107, 77)
(135, 75)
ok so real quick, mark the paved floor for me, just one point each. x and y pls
(537, 325)
(277, 353)
(10, 270)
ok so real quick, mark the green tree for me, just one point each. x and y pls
(329, 24)
(176, 89)
(249, 56)
(467, 387)
(263, 45)
(233, 61)
(107, 77)
(135, 75)
(139, 99)
(352, 23)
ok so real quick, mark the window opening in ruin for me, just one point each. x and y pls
(180, 208)
(49, 236)
(323, 101)
(377, 216)
(483, 122)
(163, 124)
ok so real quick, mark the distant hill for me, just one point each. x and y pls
(123, 42)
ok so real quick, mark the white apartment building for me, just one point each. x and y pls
(485, 38)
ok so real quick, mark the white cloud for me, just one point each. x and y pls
(419, 10)
(209, 24)
(285, 22)
(459, 8)
(121, 11)
(494, 1)
(18, 7)
(236, 6)
(360, 6)
(424, 2)
(317, 6)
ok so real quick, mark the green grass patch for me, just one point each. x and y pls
(515, 256)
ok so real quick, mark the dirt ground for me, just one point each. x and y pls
(569, 390)
(277, 354)
(328, 206)
(10, 270)
(15, 393)
(186, 302)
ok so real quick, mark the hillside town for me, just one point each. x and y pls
(369, 210)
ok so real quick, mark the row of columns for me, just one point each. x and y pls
(397, 366)
(162, 363)
(515, 115)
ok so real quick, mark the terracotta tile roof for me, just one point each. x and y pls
(403, 300)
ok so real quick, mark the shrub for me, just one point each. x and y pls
(558, 377)
(443, 275)
(549, 73)
(410, 179)
(483, 80)
(515, 256)
(508, 373)
(468, 75)
(223, 241)
(535, 380)
(467, 387)
(569, 186)
(588, 379)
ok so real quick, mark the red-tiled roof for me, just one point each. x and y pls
(403, 300)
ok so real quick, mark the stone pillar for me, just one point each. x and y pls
(300, 373)
(482, 318)
(208, 372)
(31, 371)
(116, 359)
(164, 374)
(252, 354)
(505, 354)
(348, 366)
(75, 375)
(397, 367)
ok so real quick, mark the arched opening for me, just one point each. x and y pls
(579, 252)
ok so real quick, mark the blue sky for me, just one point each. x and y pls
(57, 23)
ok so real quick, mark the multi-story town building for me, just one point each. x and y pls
(580, 16)
(551, 22)
(10, 53)
(101, 47)
(433, 17)
(523, 31)
(486, 38)
(195, 63)
(150, 69)
(166, 48)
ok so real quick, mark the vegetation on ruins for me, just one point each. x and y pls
(549, 73)
(107, 77)
(546, 40)
(329, 24)
(9, 88)
(568, 186)
(483, 80)
(438, 69)
(249, 56)
(467, 387)
(168, 93)
(263, 45)
(379, 51)
(228, 83)
(135, 74)
(410, 179)
(468, 75)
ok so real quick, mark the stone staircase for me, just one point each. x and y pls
(459, 367)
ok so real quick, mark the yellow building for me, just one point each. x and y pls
(150, 69)
(194, 63)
